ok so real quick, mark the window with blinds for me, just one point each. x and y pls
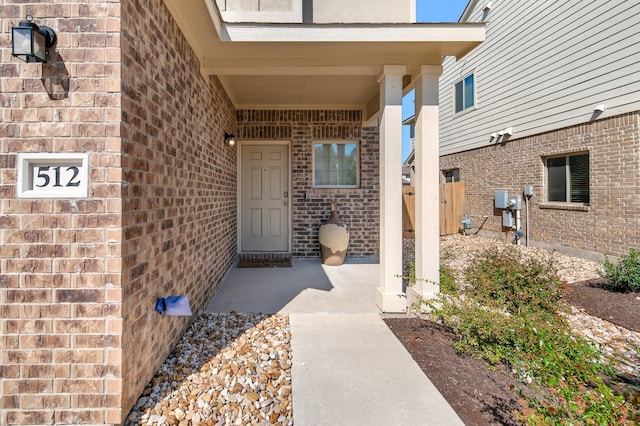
(568, 179)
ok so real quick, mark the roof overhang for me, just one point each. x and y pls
(313, 66)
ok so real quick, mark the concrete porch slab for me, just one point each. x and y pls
(308, 286)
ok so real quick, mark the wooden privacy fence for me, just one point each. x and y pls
(450, 212)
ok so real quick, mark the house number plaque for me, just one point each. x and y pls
(53, 175)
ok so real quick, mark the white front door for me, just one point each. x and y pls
(264, 198)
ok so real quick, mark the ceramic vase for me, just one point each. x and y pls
(333, 236)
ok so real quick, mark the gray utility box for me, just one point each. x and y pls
(507, 218)
(502, 200)
(528, 190)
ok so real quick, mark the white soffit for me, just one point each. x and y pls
(311, 65)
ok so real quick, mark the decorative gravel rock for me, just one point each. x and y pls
(228, 369)
(457, 251)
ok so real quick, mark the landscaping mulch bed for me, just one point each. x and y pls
(622, 309)
(482, 396)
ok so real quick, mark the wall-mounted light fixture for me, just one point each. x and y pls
(487, 7)
(229, 139)
(508, 131)
(30, 42)
(599, 109)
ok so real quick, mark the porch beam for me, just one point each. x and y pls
(372, 70)
(427, 182)
(389, 295)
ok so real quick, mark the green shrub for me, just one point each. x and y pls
(624, 276)
(502, 279)
(509, 312)
(448, 283)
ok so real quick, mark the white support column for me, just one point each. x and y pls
(389, 295)
(427, 182)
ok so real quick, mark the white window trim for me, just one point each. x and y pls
(475, 94)
(340, 142)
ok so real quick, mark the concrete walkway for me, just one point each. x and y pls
(348, 367)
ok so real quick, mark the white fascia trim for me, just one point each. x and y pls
(294, 16)
(406, 33)
(216, 19)
(467, 10)
(416, 32)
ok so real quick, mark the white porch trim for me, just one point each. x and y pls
(389, 295)
(427, 180)
(344, 33)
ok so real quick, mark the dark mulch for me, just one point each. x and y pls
(487, 397)
(619, 308)
(479, 396)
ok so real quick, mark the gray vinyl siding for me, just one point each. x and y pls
(545, 65)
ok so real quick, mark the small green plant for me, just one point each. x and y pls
(509, 312)
(625, 275)
(448, 283)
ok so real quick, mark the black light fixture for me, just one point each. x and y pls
(229, 139)
(30, 42)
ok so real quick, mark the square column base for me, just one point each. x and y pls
(414, 296)
(391, 303)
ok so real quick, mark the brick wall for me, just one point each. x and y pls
(358, 208)
(179, 197)
(79, 278)
(608, 225)
(60, 310)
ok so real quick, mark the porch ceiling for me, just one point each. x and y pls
(275, 66)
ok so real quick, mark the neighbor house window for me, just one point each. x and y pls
(465, 93)
(452, 175)
(568, 179)
(336, 164)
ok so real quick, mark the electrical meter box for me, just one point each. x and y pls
(507, 218)
(502, 199)
(515, 203)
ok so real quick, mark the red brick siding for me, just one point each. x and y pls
(358, 208)
(79, 278)
(608, 225)
(60, 303)
(179, 196)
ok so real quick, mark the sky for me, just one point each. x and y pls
(429, 11)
